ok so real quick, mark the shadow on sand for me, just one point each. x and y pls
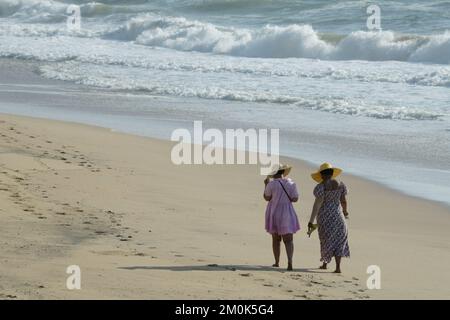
(216, 267)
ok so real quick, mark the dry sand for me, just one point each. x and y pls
(140, 227)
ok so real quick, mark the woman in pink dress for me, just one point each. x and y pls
(281, 219)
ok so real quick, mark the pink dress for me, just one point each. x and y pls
(280, 214)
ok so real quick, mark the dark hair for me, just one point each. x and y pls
(280, 172)
(327, 172)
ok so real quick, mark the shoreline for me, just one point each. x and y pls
(137, 225)
(306, 163)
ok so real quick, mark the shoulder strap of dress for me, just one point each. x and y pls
(290, 199)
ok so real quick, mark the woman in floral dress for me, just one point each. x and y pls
(330, 208)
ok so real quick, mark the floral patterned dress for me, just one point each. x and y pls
(333, 232)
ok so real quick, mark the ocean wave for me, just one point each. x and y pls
(121, 79)
(49, 11)
(89, 49)
(33, 11)
(292, 41)
(220, 5)
(106, 53)
(270, 41)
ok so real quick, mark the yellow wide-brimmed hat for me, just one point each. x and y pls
(278, 167)
(324, 166)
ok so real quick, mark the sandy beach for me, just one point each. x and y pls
(140, 227)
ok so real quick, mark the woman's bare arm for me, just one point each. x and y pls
(344, 205)
(266, 182)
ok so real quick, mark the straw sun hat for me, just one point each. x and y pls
(278, 167)
(324, 166)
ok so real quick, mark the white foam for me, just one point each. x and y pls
(122, 78)
(300, 41)
(436, 50)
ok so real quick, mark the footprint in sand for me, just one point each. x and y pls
(140, 254)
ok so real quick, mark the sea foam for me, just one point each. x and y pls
(292, 41)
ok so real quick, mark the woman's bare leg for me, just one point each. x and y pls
(288, 240)
(276, 244)
(338, 264)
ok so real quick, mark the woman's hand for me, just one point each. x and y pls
(311, 228)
